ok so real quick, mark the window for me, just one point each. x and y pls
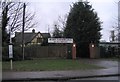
(39, 40)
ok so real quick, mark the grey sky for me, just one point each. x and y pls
(47, 11)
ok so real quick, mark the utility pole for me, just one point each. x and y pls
(24, 6)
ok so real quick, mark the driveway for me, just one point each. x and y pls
(107, 63)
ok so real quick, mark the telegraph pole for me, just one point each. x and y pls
(24, 6)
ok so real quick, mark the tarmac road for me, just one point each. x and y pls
(100, 79)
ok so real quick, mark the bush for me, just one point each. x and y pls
(5, 55)
(108, 52)
(17, 54)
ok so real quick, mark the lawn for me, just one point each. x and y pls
(48, 65)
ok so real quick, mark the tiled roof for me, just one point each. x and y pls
(28, 36)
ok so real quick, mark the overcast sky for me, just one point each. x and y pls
(47, 11)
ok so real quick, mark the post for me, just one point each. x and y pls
(11, 64)
(94, 51)
(74, 51)
(10, 51)
(23, 30)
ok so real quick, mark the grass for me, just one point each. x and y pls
(48, 65)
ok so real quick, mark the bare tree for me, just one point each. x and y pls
(116, 27)
(14, 13)
(59, 26)
(57, 33)
(62, 21)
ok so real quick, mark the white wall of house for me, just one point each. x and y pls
(34, 41)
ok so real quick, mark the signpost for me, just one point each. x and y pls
(10, 51)
(11, 55)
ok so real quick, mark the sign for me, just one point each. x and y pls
(10, 51)
(60, 40)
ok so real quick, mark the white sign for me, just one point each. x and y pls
(60, 40)
(10, 51)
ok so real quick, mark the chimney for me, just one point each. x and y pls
(33, 31)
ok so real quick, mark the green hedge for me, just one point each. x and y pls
(17, 54)
(5, 53)
(107, 52)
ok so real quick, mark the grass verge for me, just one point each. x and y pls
(48, 65)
